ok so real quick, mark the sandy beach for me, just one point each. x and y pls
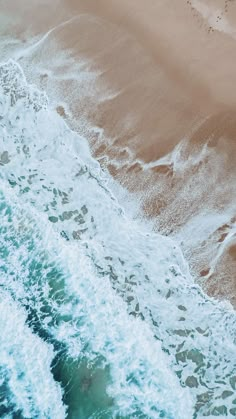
(117, 208)
(168, 122)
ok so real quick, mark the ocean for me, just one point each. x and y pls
(100, 315)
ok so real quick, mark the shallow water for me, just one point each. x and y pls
(100, 316)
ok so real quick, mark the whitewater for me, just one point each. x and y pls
(100, 317)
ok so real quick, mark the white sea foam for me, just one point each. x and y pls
(26, 384)
(127, 293)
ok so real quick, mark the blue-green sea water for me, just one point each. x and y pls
(100, 317)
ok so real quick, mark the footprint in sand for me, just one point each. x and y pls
(200, 20)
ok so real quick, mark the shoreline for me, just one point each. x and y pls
(159, 78)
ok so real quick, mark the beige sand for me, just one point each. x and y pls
(175, 71)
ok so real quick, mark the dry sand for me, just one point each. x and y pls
(171, 68)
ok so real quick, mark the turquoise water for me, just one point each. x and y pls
(100, 317)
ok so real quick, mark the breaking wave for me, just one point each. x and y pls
(100, 317)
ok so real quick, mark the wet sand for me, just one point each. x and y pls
(168, 124)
